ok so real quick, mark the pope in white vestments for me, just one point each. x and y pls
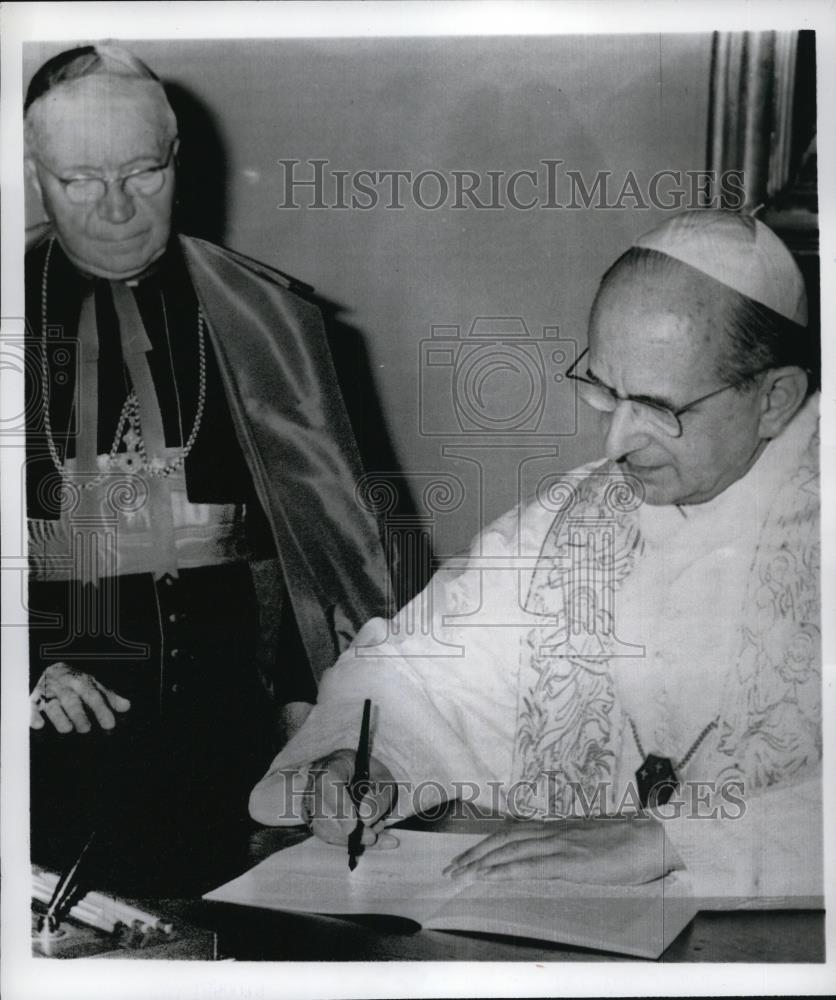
(650, 618)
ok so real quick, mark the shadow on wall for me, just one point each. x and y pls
(201, 168)
(202, 211)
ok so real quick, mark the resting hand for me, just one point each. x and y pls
(332, 814)
(604, 851)
(69, 698)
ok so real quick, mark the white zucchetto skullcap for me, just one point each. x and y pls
(737, 251)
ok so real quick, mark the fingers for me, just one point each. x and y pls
(117, 702)
(99, 699)
(36, 720)
(57, 716)
(64, 711)
(376, 804)
(68, 698)
(508, 835)
(375, 837)
(332, 831)
(334, 814)
(601, 851)
(534, 848)
(386, 841)
(530, 868)
(74, 710)
(337, 831)
(91, 694)
(369, 838)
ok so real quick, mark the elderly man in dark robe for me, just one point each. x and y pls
(197, 554)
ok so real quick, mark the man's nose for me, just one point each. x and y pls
(626, 431)
(115, 205)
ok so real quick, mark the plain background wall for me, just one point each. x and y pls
(613, 103)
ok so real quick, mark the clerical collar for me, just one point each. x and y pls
(152, 269)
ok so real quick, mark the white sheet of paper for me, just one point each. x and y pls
(313, 877)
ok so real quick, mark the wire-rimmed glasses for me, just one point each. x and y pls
(604, 399)
(144, 182)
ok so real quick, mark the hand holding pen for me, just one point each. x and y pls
(337, 811)
(359, 787)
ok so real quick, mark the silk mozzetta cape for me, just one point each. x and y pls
(288, 412)
(287, 408)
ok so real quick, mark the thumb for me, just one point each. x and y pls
(36, 720)
(377, 803)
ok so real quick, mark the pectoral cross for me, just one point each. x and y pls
(657, 780)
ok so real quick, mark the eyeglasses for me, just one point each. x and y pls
(87, 190)
(601, 397)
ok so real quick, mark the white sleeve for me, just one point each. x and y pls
(443, 683)
(766, 852)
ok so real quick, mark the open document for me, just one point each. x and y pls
(407, 882)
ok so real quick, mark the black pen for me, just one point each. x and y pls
(359, 786)
(64, 890)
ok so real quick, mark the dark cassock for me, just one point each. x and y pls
(195, 544)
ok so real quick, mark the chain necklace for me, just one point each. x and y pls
(656, 777)
(130, 411)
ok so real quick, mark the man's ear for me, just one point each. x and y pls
(30, 170)
(782, 394)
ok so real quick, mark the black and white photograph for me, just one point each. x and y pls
(411, 444)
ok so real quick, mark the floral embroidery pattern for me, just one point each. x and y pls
(567, 719)
(564, 718)
(773, 729)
